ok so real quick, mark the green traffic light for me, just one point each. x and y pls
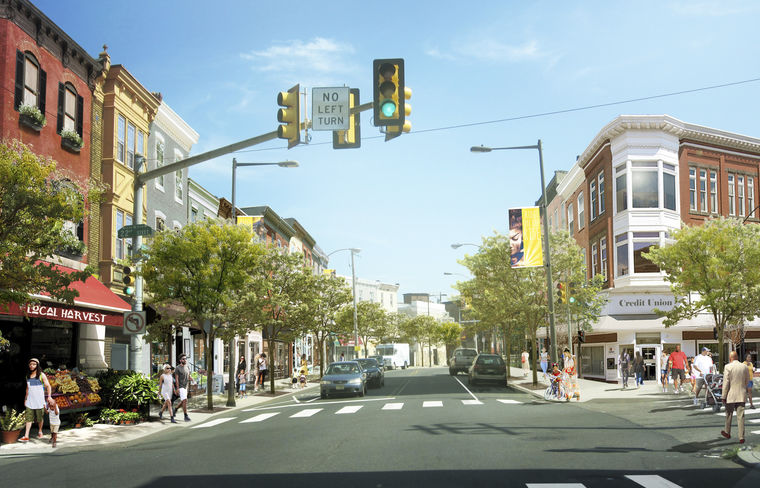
(572, 299)
(388, 107)
(128, 290)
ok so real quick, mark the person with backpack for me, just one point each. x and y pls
(638, 369)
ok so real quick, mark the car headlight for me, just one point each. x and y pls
(355, 381)
(323, 382)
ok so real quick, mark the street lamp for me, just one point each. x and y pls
(547, 254)
(460, 244)
(353, 250)
(231, 352)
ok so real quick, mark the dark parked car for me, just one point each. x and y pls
(375, 372)
(386, 363)
(345, 377)
(488, 367)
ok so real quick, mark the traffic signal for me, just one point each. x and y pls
(128, 280)
(562, 292)
(290, 116)
(389, 95)
(151, 315)
(581, 336)
(351, 138)
(569, 295)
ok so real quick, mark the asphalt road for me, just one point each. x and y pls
(424, 428)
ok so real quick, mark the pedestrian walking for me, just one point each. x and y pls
(691, 373)
(570, 377)
(165, 391)
(182, 379)
(255, 371)
(751, 371)
(544, 360)
(677, 363)
(38, 392)
(664, 370)
(638, 369)
(263, 366)
(342, 357)
(54, 419)
(703, 364)
(242, 366)
(525, 359)
(735, 380)
(625, 367)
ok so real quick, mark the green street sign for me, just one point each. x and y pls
(134, 231)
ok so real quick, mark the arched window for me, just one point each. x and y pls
(30, 82)
(70, 109)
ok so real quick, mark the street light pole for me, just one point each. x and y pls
(353, 250)
(231, 346)
(547, 253)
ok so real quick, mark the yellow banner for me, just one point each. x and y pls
(526, 250)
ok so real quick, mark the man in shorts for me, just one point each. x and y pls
(677, 363)
(182, 379)
(703, 364)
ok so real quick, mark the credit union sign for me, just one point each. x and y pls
(638, 304)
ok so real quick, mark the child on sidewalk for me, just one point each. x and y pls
(241, 382)
(54, 417)
(302, 377)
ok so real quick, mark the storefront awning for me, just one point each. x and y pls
(96, 304)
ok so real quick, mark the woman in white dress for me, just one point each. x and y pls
(570, 377)
(165, 390)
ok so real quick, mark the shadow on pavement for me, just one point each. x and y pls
(462, 478)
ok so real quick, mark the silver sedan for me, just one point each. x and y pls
(343, 378)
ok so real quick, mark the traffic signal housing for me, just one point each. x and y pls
(389, 94)
(351, 138)
(128, 280)
(581, 336)
(290, 116)
(562, 292)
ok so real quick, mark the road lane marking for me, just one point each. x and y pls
(651, 481)
(392, 406)
(212, 423)
(555, 485)
(306, 413)
(754, 421)
(383, 399)
(465, 388)
(261, 417)
(472, 402)
(432, 404)
(349, 409)
(511, 402)
(746, 412)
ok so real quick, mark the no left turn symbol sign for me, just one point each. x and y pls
(134, 322)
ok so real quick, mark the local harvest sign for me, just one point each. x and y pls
(67, 314)
(638, 304)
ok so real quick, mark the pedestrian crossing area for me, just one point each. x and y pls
(299, 411)
(631, 480)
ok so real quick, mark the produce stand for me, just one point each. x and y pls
(74, 392)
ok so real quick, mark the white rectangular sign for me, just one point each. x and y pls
(330, 108)
(638, 304)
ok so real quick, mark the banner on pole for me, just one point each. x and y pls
(526, 250)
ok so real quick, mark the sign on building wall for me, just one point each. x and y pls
(526, 250)
(638, 304)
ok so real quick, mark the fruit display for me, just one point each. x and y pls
(72, 390)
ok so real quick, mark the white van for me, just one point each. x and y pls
(394, 355)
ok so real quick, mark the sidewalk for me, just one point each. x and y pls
(102, 434)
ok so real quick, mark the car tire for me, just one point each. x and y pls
(323, 395)
(452, 372)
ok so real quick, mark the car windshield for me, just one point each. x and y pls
(490, 361)
(467, 353)
(343, 368)
(367, 363)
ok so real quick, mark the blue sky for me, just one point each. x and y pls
(220, 65)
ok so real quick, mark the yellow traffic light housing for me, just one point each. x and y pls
(388, 92)
(391, 132)
(290, 116)
(351, 138)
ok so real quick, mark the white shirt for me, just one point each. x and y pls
(704, 363)
(54, 416)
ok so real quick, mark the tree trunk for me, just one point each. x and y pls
(270, 364)
(508, 347)
(721, 356)
(231, 373)
(532, 355)
(209, 371)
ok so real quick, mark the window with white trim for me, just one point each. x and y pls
(740, 194)
(593, 259)
(621, 188)
(643, 242)
(570, 218)
(600, 179)
(592, 190)
(31, 80)
(713, 192)
(581, 210)
(131, 145)
(692, 189)
(731, 192)
(703, 190)
(751, 196)
(121, 128)
(122, 246)
(621, 249)
(160, 163)
(160, 223)
(603, 257)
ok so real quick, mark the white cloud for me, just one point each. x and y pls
(320, 55)
(492, 51)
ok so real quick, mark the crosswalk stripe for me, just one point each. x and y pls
(755, 432)
(349, 409)
(432, 404)
(754, 421)
(746, 412)
(306, 413)
(212, 423)
(472, 402)
(555, 485)
(651, 481)
(511, 402)
(260, 417)
(392, 406)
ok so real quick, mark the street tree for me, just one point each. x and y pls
(329, 295)
(450, 334)
(712, 268)
(423, 329)
(39, 206)
(371, 321)
(202, 267)
(280, 293)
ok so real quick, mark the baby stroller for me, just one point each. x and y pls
(714, 393)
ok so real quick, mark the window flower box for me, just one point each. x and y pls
(31, 117)
(71, 141)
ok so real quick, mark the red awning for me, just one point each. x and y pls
(96, 304)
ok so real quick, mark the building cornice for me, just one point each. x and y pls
(170, 122)
(119, 74)
(671, 125)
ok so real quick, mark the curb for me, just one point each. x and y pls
(748, 457)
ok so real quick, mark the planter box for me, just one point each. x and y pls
(10, 436)
(29, 121)
(70, 145)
